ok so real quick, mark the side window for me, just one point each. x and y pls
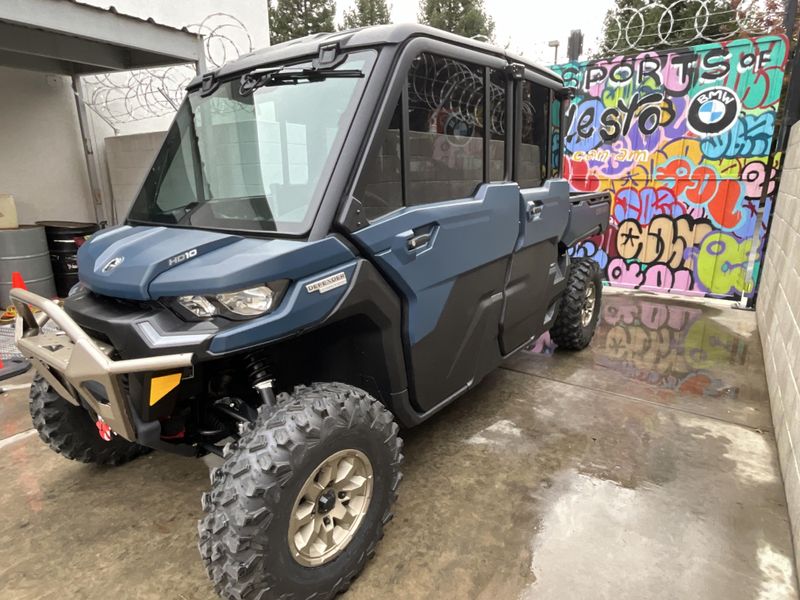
(446, 101)
(535, 131)
(380, 187)
(555, 136)
(497, 125)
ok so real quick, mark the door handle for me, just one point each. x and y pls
(534, 210)
(419, 241)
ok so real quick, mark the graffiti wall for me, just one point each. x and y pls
(681, 140)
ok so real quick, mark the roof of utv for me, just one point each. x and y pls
(365, 37)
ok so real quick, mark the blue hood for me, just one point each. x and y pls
(143, 263)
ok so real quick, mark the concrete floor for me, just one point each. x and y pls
(643, 467)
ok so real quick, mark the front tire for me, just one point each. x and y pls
(254, 539)
(68, 429)
(580, 306)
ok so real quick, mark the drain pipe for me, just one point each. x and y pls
(88, 150)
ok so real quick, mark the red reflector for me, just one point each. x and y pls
(103, 429)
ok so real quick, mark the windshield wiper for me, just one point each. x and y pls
(290, 76)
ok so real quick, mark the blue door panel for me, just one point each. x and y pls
(467, 234)
(452, 285)
(537, 273)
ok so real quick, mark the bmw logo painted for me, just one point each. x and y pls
(113, 264)
(712, 111)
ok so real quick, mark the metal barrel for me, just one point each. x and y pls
(64, 238)
(25, 250)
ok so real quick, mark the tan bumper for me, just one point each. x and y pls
(76, 364)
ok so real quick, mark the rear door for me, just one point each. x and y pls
(443, 222)
(537, 271)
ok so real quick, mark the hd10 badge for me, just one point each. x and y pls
(713, 111)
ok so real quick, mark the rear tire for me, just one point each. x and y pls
(68, 430)
(247, 538)
(580, 306)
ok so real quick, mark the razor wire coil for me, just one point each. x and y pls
(629, 26)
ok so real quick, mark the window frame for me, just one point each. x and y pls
(397, 89)
(552, 92)
(405, 131)
(508, 139)
(528, 75)
(555, 171)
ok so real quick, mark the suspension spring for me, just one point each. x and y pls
(260, 376)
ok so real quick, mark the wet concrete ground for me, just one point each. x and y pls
(643, 467)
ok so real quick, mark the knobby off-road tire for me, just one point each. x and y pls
(244, 537)
(571, 331)
(69, 430)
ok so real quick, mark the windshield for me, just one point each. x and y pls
(252, 160)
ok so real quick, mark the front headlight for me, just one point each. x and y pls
(249, 302)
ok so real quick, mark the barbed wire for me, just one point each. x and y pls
(437, 83)
(630, 24)
(149, 93)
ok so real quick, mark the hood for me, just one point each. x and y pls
(144, 263)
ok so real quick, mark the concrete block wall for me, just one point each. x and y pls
(129, 157)
(778, 310)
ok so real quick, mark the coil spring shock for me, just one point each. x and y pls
(260, 376)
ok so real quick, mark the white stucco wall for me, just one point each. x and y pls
(41, 156)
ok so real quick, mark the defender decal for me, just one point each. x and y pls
(329, 283)
(182, 257)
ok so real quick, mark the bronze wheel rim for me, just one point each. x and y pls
(330, 508)
(589, 301)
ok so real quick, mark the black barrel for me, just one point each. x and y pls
(63, 239)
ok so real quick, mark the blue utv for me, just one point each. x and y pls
(340, 234)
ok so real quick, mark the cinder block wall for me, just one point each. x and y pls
(778, 310)
(129, 157)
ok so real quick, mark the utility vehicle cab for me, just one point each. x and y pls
(381, 209)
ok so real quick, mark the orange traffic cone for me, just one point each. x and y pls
(10, 313)
(17, 281)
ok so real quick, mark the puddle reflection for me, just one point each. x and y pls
(662, 343)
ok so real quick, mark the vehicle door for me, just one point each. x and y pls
(537, 271)
(443, 220)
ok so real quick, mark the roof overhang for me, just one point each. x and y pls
(63, 36)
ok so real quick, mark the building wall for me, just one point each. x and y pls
(680, 138)
(41, 156)
(129, 157)
(778, 312)
(130, 104)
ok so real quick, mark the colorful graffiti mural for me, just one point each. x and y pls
(681, 139)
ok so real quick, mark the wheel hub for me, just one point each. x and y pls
(326, 502)
(330, 507)
(589, 301)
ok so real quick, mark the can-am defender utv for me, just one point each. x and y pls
(339, 234)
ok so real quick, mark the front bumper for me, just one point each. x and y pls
(78, 367)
